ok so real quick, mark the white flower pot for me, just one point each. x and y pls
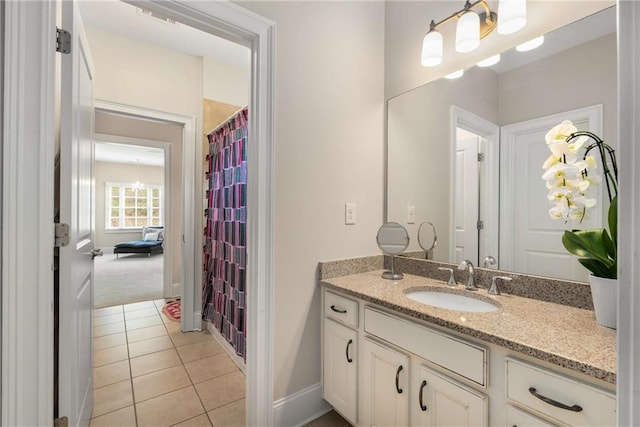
(605, 300)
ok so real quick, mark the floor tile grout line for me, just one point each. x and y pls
(133, 391)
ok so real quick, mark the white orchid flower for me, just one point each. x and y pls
(581, 185)
(559, 211)
(591, 162)
(559, 194)
(561, 171)
(583, 202)
(560, 132)
(552, 160)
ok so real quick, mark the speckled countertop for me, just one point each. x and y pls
(559, 334)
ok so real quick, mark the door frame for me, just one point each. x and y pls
(28, 167)
(489, 202)
(167, 266)
(191, 302)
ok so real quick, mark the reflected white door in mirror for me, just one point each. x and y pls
(530, 241)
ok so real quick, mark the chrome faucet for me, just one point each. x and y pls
(489, 260)
(466, 264)
(494, 289)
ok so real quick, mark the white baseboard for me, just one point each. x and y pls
(300, 408)
(239, 361)
(176, 289)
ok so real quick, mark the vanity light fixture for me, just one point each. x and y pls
(473, 26)
(492, 60)
(530, 45)
(455, 75)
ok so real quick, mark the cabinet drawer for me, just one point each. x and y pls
(341, 309)
(462, 358)
(518, 418)
(585, 405)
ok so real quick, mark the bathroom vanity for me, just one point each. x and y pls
(391, 361)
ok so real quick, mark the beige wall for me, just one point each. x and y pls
(119, 173)
(329, 150)
(226, 83)
(406, 24)
(575, 78)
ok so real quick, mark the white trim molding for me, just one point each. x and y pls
(27, 217)
(301, 407)
(628, 377)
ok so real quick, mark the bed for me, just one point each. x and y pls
(151, 243)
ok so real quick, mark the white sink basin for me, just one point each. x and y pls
(452, 301)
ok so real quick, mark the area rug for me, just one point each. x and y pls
(172, 310)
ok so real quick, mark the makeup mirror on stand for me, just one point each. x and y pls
(427, 238)
(392, 239)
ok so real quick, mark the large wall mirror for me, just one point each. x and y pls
(467, 154)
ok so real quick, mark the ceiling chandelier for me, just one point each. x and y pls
(473, 26)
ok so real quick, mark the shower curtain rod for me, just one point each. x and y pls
(227, 120)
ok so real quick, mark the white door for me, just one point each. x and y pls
(440, 401)
(76, 209)
(385, 386)
(340, 370)
(466, 198)
(530, 241)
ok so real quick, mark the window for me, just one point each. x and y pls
(130, 208)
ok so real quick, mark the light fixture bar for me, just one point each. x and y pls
(488, 19)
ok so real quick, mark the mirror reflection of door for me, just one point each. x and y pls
(467, 197)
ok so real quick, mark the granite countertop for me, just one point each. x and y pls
(559, 334)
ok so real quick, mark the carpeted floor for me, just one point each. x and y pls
(130, 278)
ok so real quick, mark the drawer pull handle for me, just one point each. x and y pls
(347, 351)
(574, 408)
(398, 389)
(422, 386)
(338, 310)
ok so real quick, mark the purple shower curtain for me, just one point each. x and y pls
(225, 252)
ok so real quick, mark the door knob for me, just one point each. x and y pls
(96, 252)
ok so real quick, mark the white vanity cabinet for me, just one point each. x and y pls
(340, 356)
(385, 386)
(518, 418)
(438, 400)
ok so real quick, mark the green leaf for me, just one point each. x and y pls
(613, 219)
(588, 244)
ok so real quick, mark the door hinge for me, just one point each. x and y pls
(62, 235)
(61, 422)
(480, 224)
(481, 157)
(63, 41)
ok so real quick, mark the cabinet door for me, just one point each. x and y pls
(340, 369)
(439, 401)
(385, 386)
(518, 418)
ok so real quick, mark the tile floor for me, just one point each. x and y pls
(148, 373)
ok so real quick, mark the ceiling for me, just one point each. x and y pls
(128, 21)
(124, 153)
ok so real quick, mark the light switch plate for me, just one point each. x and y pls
(411, 215)
(349, 213)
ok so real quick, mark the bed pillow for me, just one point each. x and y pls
(153, 237)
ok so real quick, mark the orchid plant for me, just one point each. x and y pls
(569, 183)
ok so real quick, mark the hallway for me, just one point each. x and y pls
(149, 373)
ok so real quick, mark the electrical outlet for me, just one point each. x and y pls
(411, 215)
(349, 213)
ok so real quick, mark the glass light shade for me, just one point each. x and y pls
(468, 32)
(530, 45)
(455, 75)
(512, 16)
(492, 60)
(432, 48)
